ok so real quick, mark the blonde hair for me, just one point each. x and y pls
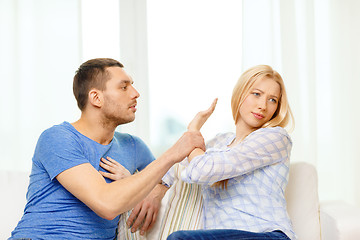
(282, 116)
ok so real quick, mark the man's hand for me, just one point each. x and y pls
(145, 213)
(185, 145)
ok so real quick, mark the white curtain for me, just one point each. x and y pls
(315, 45)
(39, 52)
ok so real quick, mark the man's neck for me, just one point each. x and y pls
(94, 130)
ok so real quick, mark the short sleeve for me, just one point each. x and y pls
(58, 150)
(143, 154)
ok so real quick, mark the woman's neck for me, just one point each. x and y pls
(242, 131)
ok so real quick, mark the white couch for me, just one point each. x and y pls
(312, 221)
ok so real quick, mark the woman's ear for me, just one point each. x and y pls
(95, 97)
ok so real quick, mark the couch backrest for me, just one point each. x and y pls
(303, 201)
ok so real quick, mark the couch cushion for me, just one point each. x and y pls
(339, 221)
(181, 209)
(303, 201)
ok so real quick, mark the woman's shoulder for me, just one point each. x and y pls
(279, 130)
(271, 132)
(220, 139)
(224, 135)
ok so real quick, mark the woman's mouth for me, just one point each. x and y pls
(258, 115)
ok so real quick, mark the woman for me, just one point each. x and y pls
(244, 174)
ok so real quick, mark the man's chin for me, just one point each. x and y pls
(125, 121)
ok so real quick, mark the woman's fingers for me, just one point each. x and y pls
(201, 117)
(115, 170)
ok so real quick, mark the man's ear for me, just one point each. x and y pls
(95, 97)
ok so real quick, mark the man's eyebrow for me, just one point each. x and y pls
(127, 81)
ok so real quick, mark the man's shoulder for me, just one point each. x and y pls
(133, 144)
(127, 138)
(61, 133)
(58, 128)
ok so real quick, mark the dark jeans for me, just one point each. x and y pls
(228, 234)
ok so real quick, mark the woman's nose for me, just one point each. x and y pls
(262, 104)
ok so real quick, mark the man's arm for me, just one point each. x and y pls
(111, 199)
(144, 214)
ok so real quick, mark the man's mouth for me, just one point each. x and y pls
(133, 107)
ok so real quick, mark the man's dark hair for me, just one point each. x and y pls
(91, 74)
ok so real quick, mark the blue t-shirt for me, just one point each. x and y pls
(51, 211)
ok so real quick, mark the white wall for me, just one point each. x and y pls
(39, 53)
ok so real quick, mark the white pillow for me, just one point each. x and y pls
(181, 209)
(303, 201)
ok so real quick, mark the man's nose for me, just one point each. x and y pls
(135, 93)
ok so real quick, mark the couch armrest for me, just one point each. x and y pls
(13, 185)
(339, 221)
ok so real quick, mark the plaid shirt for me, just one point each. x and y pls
(257, 169)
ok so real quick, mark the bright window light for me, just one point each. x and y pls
(100, 26)
(194, 56)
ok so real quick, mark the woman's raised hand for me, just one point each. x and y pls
(115, 170)
(201, 117)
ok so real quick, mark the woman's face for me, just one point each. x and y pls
(260, 104)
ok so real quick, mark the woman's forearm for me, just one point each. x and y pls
(196, 152)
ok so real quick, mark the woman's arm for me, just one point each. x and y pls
(201, 117)
(263, 147)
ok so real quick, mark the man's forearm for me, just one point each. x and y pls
(134, 188)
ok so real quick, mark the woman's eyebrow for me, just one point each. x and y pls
(273, 96)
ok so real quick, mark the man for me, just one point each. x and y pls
(67, 196)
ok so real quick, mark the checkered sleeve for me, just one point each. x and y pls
(263, 147)
(172, 174)
(169, 177)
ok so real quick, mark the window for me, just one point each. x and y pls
(194, 56)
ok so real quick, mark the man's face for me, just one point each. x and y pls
(119, 98)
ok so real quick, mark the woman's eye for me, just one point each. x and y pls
(273, 100)
(256, 94)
